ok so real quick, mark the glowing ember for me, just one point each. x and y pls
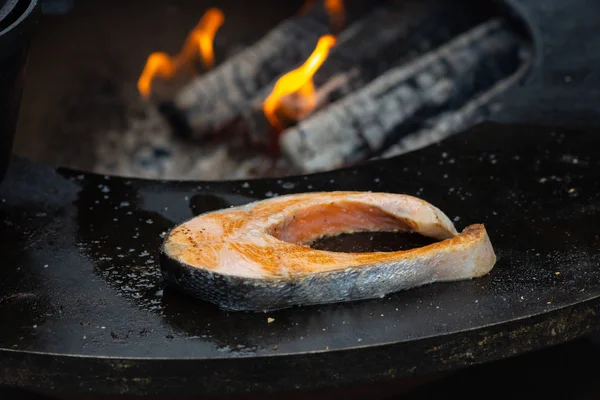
(293, 96)
(199, 42)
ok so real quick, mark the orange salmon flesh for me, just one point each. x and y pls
(266, 241)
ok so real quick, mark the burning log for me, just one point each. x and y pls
(198, 43)
(402, 100)
(397, 34)
(212, 100)
(437, 128)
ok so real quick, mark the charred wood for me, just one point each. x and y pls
(451, 122)
(401, 101)
(202, 106)
(390, 36)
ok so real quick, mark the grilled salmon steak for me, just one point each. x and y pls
(255, 257)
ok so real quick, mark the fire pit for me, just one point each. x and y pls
(85, 309)
(396, 76)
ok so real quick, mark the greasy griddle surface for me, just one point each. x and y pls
(80, 273)
(536, 189)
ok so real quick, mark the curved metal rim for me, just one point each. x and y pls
(319, 370)
(8, 8)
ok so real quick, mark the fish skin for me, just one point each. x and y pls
(458, 256)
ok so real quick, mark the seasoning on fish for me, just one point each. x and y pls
(255, 258)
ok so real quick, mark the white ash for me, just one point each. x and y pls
(148, 149)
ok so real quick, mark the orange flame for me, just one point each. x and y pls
(299, 83)
(335, 11)
(199, 41)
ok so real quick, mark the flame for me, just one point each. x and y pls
(199, 41)
(336, 13)
(297, 83)
(334, 8)
(158, 64)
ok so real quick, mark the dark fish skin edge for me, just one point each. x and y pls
(234, 293)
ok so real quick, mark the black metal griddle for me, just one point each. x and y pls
(83, 296)
(84, 309)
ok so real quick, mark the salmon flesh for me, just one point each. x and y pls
(256, 258)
